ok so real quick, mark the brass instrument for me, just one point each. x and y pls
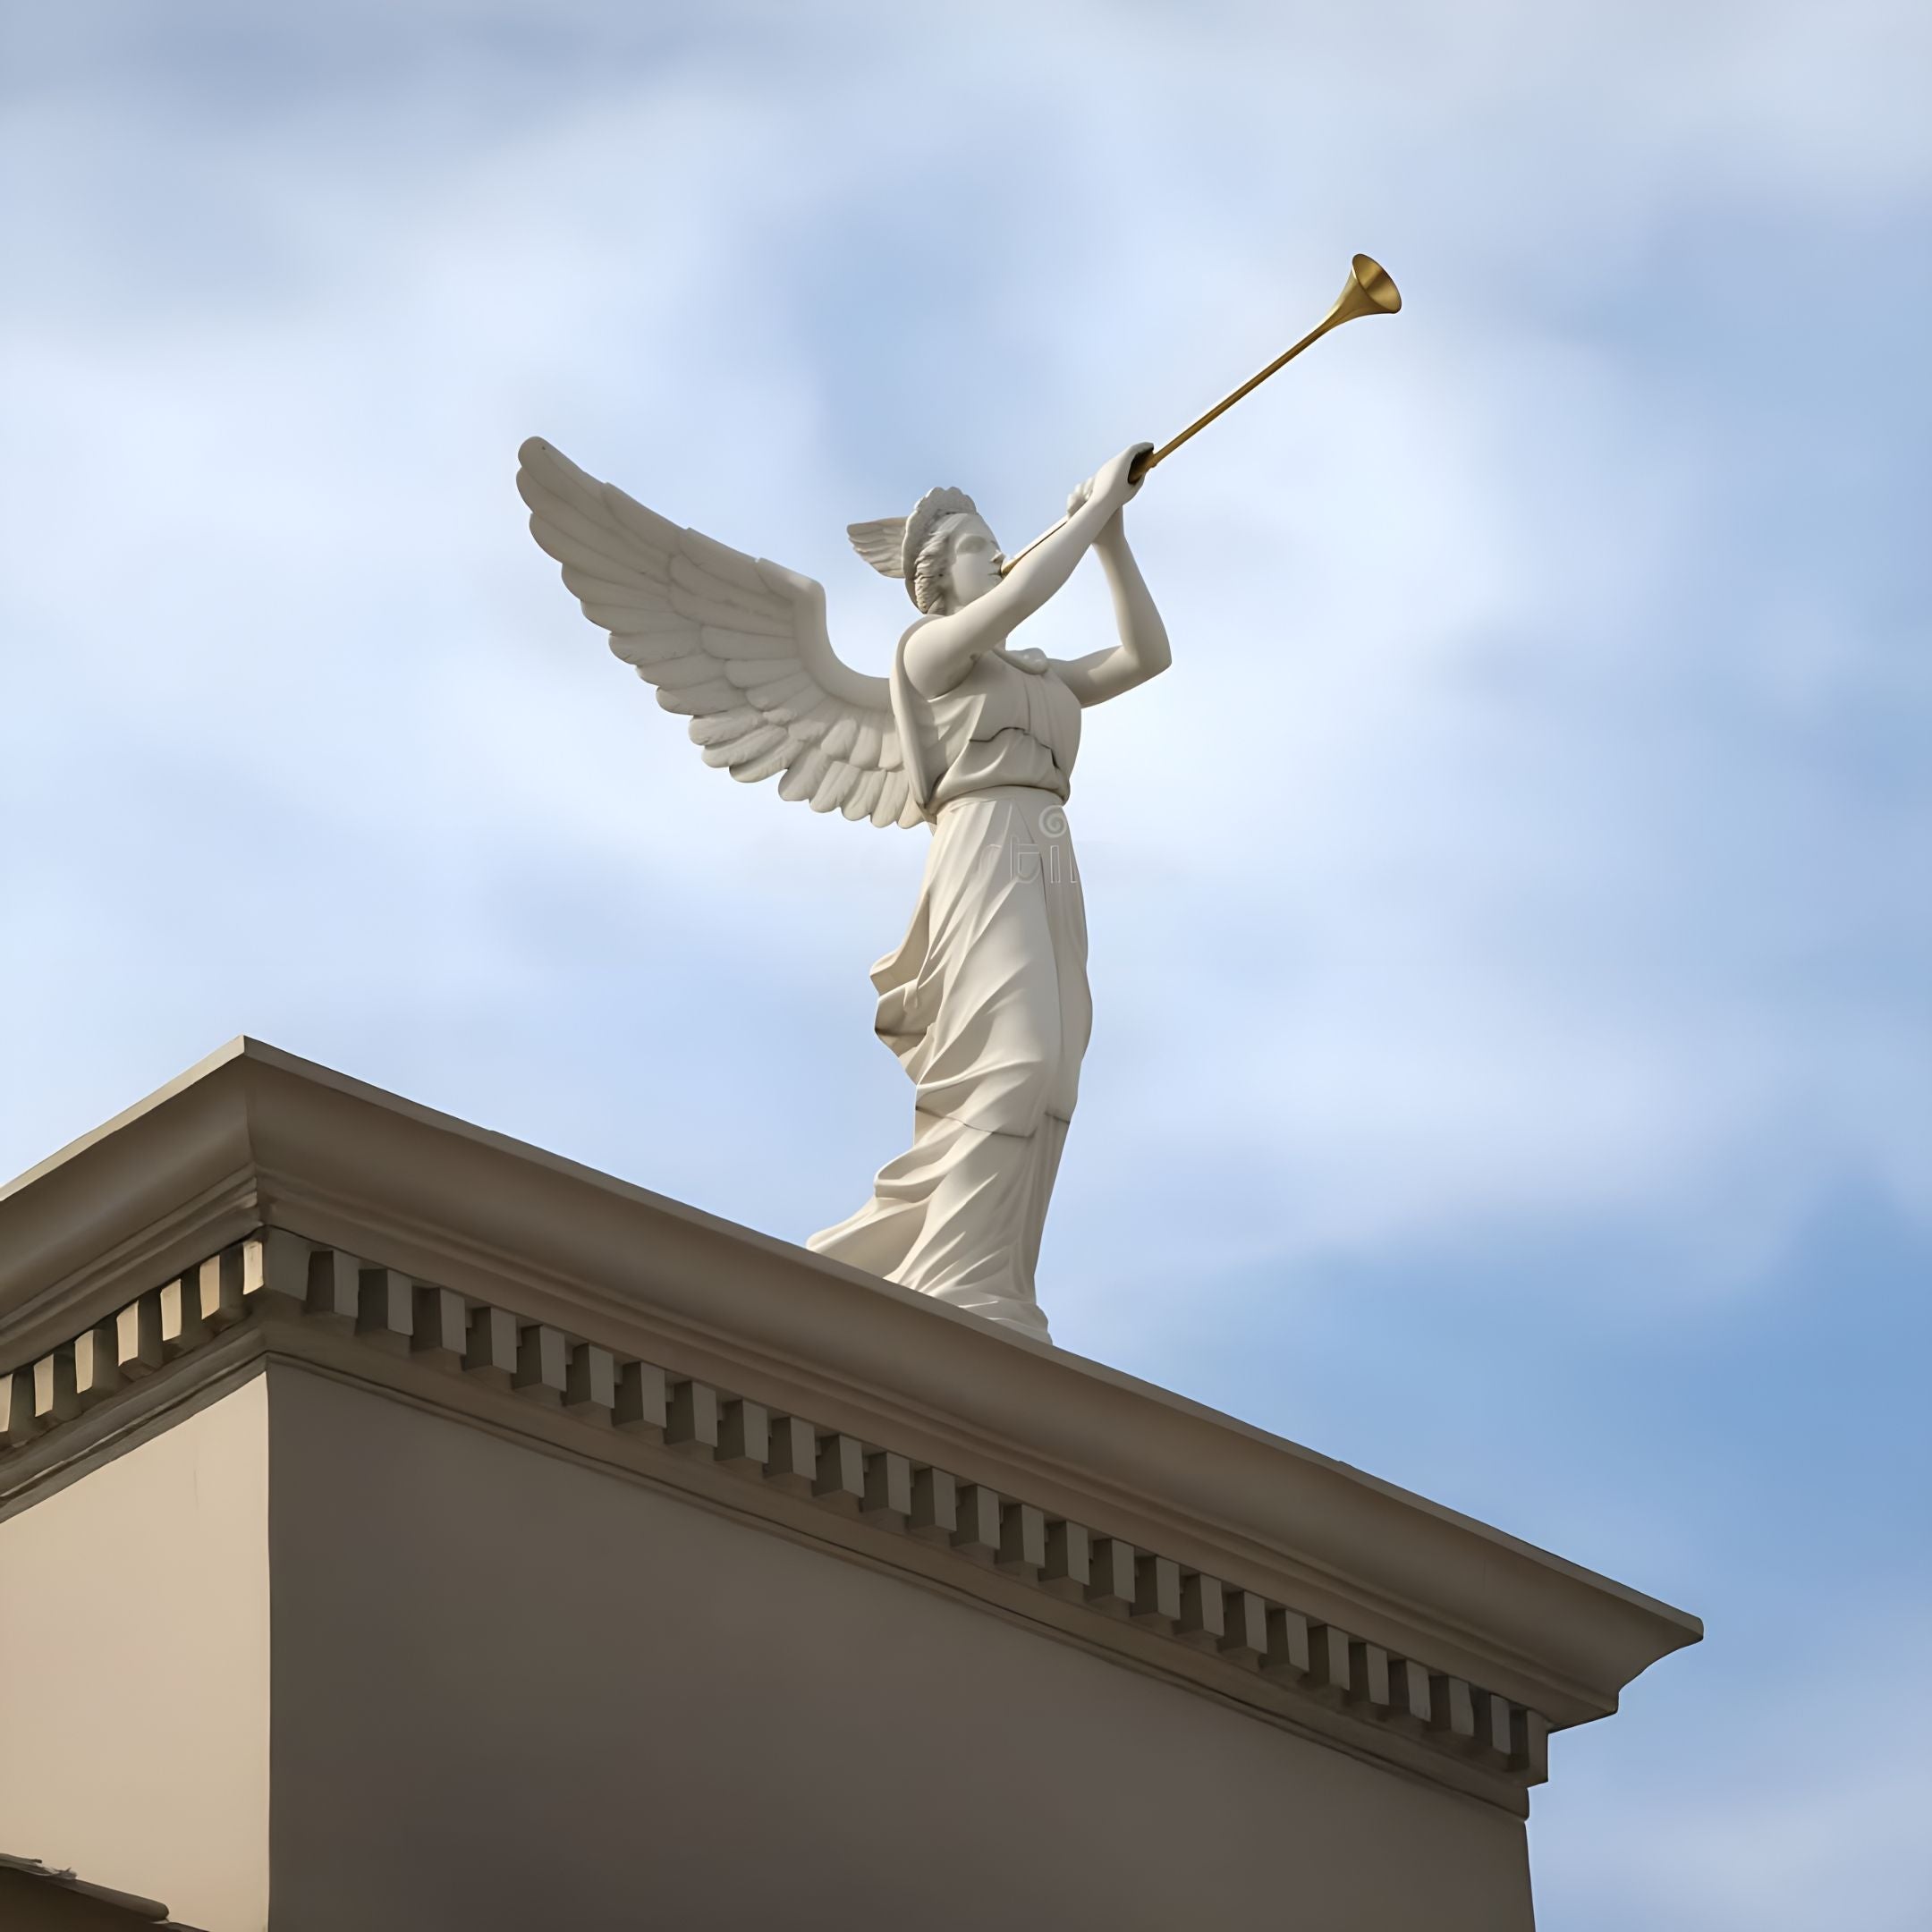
(1370, 290)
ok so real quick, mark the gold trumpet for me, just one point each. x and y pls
(1370, 290)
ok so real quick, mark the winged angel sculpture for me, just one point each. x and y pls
(986, 1001)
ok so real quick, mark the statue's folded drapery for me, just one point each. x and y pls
(987, 1005)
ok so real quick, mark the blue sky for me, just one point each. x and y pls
(1512, 938)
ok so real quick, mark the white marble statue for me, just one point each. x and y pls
(986, 1000)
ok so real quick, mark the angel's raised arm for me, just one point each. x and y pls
(941, 651)
(1142, 652)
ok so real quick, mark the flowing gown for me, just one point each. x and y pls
(985, 1002)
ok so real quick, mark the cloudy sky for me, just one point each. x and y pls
(1512, 941)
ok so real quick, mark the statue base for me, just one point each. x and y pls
(402, 1527)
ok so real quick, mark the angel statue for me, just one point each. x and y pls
(985, 1001)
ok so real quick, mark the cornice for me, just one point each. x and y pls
(254, 1139)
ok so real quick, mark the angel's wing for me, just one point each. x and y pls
(733, 643)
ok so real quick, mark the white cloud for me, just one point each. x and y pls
(1430, 888)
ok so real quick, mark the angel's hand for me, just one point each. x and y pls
(1114, 483)
(1078, 495)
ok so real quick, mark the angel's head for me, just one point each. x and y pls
(959, 561)
(944, 551)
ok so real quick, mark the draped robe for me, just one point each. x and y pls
(986, 1001)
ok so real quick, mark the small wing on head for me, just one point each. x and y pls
(734, 643)
(880, 543)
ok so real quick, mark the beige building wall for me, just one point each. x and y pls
(511, 1691)
(135, 1624)
(498, 1544)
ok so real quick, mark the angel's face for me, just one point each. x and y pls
(975, 566)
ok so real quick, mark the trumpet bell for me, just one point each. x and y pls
(1370, 290)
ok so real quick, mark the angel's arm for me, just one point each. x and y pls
(1142, 652)
(941, 651)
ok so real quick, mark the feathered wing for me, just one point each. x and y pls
(881, 543)
(734, 643)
